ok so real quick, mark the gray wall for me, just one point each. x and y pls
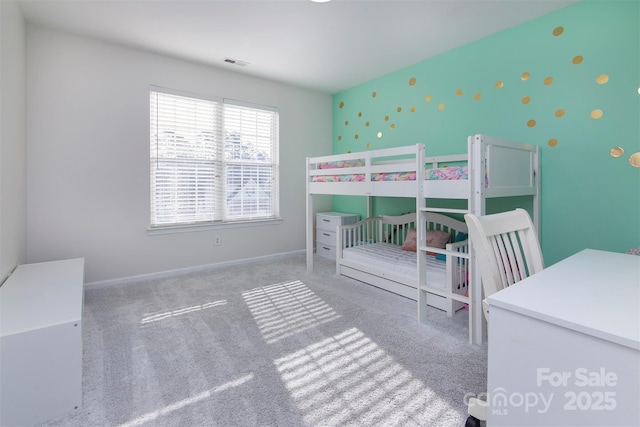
(88, 157)
(13, 138)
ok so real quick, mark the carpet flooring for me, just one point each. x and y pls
(267, 344)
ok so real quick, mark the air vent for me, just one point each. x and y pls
(236, 62)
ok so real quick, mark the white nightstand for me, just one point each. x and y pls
(326, 223)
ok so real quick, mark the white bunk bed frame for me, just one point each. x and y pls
(497, 168)
(392, 230)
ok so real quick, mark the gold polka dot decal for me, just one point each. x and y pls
(379, 134)
(428, 97)
(341, 105)
(616, 152)
(386, 118)
(596, 114)
(346, 122)
(399, 109)
(360, 114)
(525, 75)
(577, 59)
(441, 107)
(339, 137)
(548, 80)
(459, 92)
(557, 31)
(413, 109)
(634, 160)
(392, 126)
(374, 94)
(531, 123)
(499, 84)
(368, 145)
(603, 78)
(559, 112)
(357, 136)
(552, 142)
(412, 81)
(526, 99)
(367, 124)
(477, 96)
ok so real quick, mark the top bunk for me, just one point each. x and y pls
(491, 166)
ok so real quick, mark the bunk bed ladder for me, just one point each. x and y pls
(421, 205)
(476, 205)
(422, 287)
(476, 147)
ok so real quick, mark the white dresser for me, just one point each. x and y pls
(41, 342)
(564, 345)
(326, 224)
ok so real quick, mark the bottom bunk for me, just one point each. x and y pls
(381, 251)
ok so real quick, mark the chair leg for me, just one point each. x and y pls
(472, 422)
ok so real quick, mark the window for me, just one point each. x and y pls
(212, 160)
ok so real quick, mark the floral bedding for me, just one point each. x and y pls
(445, 173)
(341, 164)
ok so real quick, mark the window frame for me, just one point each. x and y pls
(218, 216)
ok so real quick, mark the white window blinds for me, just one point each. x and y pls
(211, 160)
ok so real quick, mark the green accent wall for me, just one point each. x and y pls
(560, 70)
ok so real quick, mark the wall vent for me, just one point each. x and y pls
(236, 62)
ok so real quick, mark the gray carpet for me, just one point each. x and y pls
(266, 344)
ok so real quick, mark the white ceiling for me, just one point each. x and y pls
(324, 46)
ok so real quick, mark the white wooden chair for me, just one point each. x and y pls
(507, 250)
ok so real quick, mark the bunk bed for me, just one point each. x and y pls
(491, 168)
(381, 251)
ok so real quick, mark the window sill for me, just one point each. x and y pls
(154, 231)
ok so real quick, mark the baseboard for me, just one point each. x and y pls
(186, 270)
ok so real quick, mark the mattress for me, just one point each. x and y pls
(391, 258)
(449, 173)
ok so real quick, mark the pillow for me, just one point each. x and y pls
(460, 237)
(435, 238)
(410, 241)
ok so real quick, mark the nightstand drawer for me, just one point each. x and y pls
(326, 237)
(330, 220)
(326, 222)
(327, 251)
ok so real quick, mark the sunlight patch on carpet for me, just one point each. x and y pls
(185, 402)
(154, 317)
(348, 378)
(285, 309)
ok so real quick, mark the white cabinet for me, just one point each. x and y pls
(41, 342)
(564, 345)
(326, 225)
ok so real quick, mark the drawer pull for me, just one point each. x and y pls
(326, 220)
(326, 234)
(326, 248)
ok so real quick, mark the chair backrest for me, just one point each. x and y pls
(506, 247)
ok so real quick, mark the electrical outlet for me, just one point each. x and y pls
(217, 241)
